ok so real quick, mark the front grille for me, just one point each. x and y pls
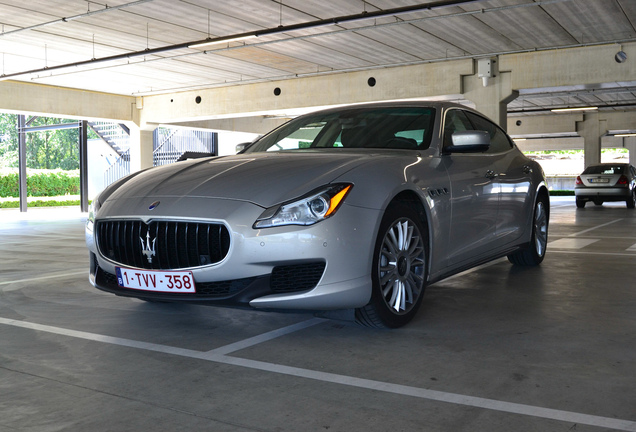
(297, 277)
(162, 245)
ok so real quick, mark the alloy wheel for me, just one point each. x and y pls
(541, 228)
(401, 266)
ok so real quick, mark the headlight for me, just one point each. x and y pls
(314, 207)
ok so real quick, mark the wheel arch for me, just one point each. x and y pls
(542, 192)
(379, 312)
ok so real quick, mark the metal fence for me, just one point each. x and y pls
(169, 145)
(119, 169)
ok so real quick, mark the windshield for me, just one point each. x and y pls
(408, 128)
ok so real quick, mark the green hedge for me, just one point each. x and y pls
(40, 203)
(52, 183)
(561, 193)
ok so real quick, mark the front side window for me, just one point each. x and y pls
(499, 141)
(406, 128)
(456, 121)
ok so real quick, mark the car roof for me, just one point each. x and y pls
(439, 105)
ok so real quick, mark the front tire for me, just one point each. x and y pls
(535, 252)
(398, 270)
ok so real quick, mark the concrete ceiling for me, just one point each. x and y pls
(39, 36)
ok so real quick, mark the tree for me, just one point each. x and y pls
(51, 149)
(8, 140)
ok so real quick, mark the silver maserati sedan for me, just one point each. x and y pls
(353, 209)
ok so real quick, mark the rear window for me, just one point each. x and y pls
(605, 169)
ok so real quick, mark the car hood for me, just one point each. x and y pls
(264, 179)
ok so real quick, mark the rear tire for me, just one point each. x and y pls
(535, 252)
(631, 202)
(398, 270)
(580, 203)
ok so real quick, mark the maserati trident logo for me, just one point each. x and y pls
(146, 249)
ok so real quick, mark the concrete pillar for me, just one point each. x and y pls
(141, 147)
(630, 144)
(141, 138)
(491, 94)
(591, 129)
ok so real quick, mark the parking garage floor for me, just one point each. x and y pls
(497, 348)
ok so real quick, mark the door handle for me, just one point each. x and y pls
(491, 174)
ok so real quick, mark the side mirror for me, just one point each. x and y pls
(240, 147)
(469, 142)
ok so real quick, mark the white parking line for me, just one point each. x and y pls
(578, 252)
(49, 276)
(227, 349)
(594, 228)
(453, 398)
(571, 243)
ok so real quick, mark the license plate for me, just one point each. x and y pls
(599, 180)
(157, 281)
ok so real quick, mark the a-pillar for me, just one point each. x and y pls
(141, 147)
(591, 129)
(491, 94)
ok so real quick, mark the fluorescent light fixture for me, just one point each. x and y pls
(221, 40)
(626, 135)
(574, 109)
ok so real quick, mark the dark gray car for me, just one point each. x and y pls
(356, 208)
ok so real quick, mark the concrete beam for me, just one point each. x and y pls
(566, 143)
(566, 124)
(569, 67)
(625, 120)
(406, 82)
(258, 125)
(542, 125)
(36, 99)
(550, 144)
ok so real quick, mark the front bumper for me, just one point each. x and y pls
(323, 266)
